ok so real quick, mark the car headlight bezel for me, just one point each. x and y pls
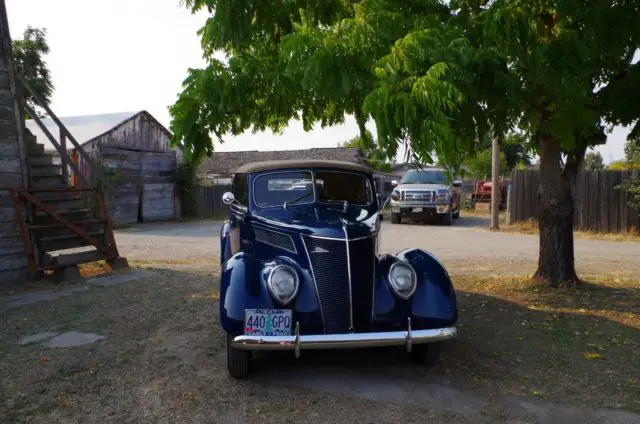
(273, 290)
(395, 195)
(403, 293)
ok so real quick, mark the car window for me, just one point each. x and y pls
(239, 189)
(274, 189)
(335, 186)
(424, 176)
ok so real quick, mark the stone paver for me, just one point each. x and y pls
(73, 339)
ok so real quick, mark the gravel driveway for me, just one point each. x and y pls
(464, 247)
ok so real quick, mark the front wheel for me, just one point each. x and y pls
(395, 218)
(238, 361)
(426, 354)
(447, 219)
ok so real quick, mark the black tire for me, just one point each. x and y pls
(395, 218)
(426, 354)
(447, 219)
(238, 361)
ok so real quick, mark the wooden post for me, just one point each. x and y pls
(63, 166)
(495, 192)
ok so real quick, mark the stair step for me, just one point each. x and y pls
(69, 259)
(63, 203)
(70, 215)
(40, 160)
(45, 170)
(58, 230)
(71, 241)
(35, 149)
(48, 181)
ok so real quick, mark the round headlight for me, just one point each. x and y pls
(403, 279)
(395, 195)
(283, 283)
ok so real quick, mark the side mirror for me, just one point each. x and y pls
(394, 183)
(228, 198)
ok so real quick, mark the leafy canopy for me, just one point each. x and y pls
(593, 162)
(29, 53)
(437, 76)
(370, 150)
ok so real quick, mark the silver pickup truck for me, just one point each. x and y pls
(425, 193)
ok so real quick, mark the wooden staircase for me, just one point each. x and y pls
(62, 219)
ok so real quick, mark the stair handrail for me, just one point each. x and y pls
(63, 130)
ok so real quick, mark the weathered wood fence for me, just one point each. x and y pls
(599, 205)
(210, 200)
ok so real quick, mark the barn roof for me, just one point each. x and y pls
(228, 162)
(84, 128)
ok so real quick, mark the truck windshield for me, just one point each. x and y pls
(424, 176)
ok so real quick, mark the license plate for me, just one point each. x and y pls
(267, 322)
(417, 209)
(395, 210)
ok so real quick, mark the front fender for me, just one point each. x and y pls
(243, 285)
(434, 303)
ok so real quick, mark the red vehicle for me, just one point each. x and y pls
(482, 194)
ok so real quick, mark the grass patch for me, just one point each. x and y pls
(163, 356)
(579, 345)
(531, 227)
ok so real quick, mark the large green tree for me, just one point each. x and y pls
(29, 57)
(436, 76)
(372, 153)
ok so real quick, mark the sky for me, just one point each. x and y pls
(128, 55)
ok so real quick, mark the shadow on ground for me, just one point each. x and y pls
(505, 355)
(162, 359)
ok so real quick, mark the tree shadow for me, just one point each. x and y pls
(504, 349)
(590, 296)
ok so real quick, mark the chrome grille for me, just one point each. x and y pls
(424, 196)
(275, 239)
(328, 259)
(362, 281)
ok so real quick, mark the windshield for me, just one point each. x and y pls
(274, 189)
(277, 188)
(336, 186)
(424, 176)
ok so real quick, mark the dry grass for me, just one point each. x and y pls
(531, 227)
(578, 345)
(163, 356)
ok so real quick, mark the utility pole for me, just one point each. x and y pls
(495, 193)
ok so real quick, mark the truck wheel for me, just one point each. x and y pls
(395, 218)
(426, 354)
(447, 219)
(238, 361)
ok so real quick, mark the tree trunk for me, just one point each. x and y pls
(556, 265)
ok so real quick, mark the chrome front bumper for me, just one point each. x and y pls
(298, 342)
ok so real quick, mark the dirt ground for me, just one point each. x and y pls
(524, 355)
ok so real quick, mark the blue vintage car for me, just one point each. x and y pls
(301, 268)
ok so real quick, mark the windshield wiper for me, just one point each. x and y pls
(287, 202)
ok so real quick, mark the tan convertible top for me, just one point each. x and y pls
(301, 163)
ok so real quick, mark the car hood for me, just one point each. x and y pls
(321, 221)
(422, 187)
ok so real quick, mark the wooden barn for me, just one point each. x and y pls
(131, 152)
